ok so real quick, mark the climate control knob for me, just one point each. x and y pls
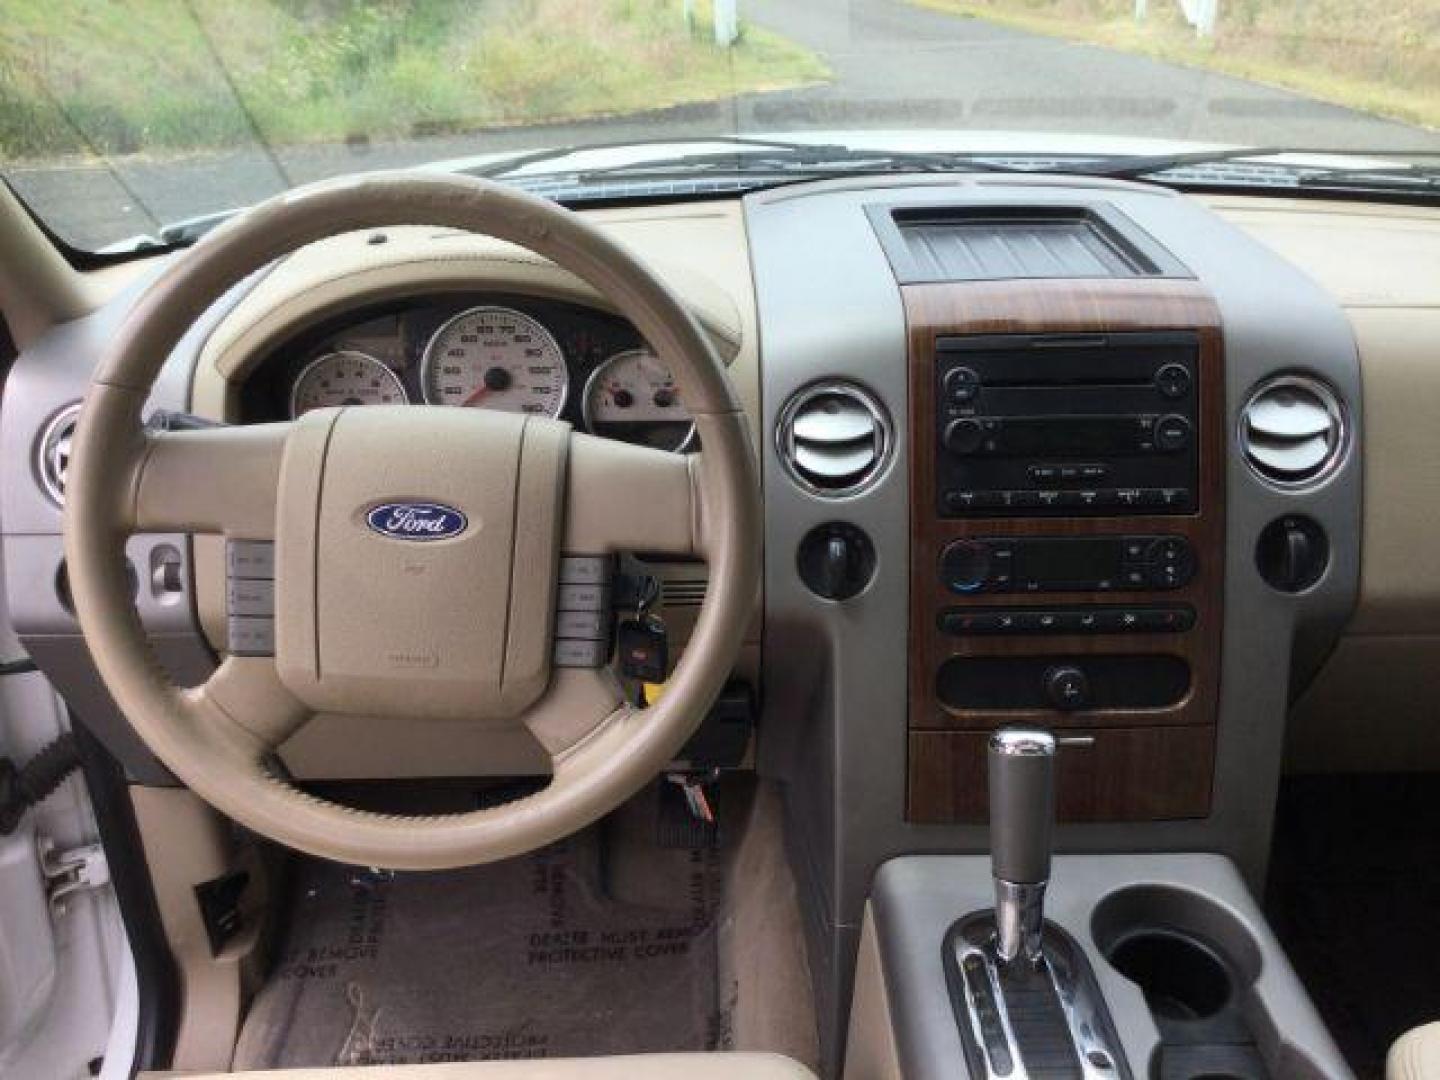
(965, 566)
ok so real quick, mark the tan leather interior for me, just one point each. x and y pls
(1415, 1055)
(204, 736)
(630, 1067)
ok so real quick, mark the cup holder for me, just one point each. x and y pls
(1180, 978)
(1196, 965)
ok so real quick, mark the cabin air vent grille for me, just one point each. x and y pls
(52, 452)
(1292, 430)
(834, 438)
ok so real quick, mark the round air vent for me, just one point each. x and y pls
(52, 452)
(1293, 430)
(834, 438)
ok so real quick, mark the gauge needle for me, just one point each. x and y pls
(476, 397)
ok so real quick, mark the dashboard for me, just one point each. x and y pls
(1062, 491)
(506, 352)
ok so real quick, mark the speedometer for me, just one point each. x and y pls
(346, 377)
(495, 358)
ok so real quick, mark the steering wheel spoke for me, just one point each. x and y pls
(621, 497)
(248, 691)
(210, 480)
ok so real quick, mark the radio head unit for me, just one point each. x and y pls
(1067, 425)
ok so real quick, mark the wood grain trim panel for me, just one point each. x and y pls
(1126, 774)
(1065, 307)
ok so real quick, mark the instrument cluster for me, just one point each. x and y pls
(518, 354)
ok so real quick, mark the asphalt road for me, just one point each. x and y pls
(895, 67)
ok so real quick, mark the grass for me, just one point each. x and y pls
(1378, 56)
(124, 76)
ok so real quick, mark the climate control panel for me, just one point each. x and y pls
(1002, 564)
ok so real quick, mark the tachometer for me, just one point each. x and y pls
(495, 358)
(347, 377)
(633, 396)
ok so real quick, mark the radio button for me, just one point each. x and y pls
(1172, 433)
(962, 500)
(1173, 381)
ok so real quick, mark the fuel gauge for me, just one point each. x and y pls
(632, 396)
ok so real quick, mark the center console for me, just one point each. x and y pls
(1067, 526)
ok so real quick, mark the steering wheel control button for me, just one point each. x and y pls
(578, 653)
(254, 559)
(575, 597)
(1067, 687)
(583, 612)
(587, 625)
(251, 637)
(250, 597)
(584, 569)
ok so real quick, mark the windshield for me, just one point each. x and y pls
(120, 119)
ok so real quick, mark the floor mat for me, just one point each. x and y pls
(1354, 897)
(527, 958)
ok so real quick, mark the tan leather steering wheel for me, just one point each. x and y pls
(456, 628)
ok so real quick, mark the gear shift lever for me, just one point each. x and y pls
(1022, 814)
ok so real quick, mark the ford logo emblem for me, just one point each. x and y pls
(416, 520)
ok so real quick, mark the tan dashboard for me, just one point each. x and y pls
(1371, 708)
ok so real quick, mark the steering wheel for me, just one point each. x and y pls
(456, 627)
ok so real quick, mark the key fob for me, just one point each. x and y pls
(644, 649)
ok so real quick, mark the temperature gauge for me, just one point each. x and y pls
(633, 396)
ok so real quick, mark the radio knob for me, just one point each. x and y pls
(1172, 432)
(962, 385)
(964, 436)
(965, 566)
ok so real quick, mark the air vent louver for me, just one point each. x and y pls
(1292, 430)
(834, 438)
(52, 452)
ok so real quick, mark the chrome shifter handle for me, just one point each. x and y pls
(1022, 816)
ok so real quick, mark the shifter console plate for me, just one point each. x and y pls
(1018, 1019)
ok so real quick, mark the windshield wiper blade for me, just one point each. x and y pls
(559, 153)
(1407, 178)
(1143, 165)
(805, 160)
